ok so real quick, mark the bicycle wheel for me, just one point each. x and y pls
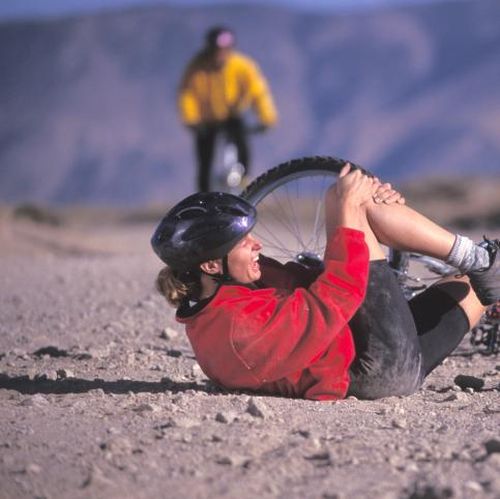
(289, 200)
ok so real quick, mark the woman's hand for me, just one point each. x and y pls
(346, 200)
(354, 187)
(385, 194)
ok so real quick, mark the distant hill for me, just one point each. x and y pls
(88, 104)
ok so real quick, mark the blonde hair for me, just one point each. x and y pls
(176, 290)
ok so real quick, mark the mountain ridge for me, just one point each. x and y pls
(89, 102)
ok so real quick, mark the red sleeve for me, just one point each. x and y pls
(276, 335)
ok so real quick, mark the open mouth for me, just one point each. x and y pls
(255, 263)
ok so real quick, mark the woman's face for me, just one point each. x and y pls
(243, 260)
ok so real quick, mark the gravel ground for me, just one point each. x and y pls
(100, 396)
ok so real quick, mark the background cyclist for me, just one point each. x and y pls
(218, 86)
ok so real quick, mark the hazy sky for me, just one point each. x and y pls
(34, 8)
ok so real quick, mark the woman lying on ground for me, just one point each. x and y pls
(255, 324)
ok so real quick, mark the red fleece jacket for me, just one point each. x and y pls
(285, 339)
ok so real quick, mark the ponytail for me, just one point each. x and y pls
(176, 290)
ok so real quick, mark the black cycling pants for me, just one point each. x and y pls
(232, 130)
(398, 343)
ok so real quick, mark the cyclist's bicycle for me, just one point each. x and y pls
(228, 171)
(291, 226)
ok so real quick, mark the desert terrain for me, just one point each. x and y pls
(101, 396)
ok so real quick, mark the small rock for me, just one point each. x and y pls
(97, 353)
(174, 353)
(169, 334)
(411, 467)
(146, 408)
(443, 428)
(37, 400)
(473, 486)
(232, 460)
(320, 456)
(117, 445)
(473, 382)
(257, 408)
(226, 417)
(304, 433)
(492, 446)
(457, 396)
(33, 468)
(65, 373)
(98, 392)
(315, 443)
(494, 460)
(96, 478)
(424, 491)
(180, 422)
(399, 423)
(48, 375)
(492, 409)
(197, 372)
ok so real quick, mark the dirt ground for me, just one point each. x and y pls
(101, 397)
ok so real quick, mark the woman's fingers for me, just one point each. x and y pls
(345, 170)
(387, 195)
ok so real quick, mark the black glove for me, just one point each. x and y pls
(260, 128)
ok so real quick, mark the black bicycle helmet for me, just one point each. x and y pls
(204, 226)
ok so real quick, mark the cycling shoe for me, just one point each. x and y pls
(486, 282)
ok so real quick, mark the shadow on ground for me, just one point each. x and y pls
(25, 385)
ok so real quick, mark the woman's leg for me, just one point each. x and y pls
(205, 145)
(443, 314)
(400, 227)
(388, 359)
(235, 128)
(396, 347)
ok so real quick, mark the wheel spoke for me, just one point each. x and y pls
(291, 219)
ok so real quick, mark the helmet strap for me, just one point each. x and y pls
(225, 276)
(225, 268)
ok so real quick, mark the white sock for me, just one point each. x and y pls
(467, 255)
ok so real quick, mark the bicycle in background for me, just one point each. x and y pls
(229, 173)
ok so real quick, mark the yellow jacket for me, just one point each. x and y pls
(208, 95)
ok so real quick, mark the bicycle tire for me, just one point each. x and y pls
(277, 183)
(295, 168)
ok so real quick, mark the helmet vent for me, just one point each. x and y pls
(191, 212)
(228, 210)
